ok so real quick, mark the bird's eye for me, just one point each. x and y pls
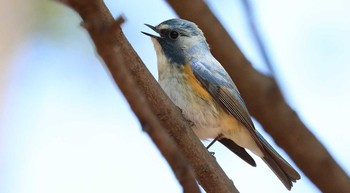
(173, 35)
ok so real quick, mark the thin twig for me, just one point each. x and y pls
(261, 46)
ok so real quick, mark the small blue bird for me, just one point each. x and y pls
(197, 83)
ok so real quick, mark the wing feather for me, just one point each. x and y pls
(224, 92)
(215, 79)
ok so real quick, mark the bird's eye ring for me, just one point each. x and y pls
(173, 35)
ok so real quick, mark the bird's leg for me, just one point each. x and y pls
(211, 143)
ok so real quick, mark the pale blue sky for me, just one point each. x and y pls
(65, 127)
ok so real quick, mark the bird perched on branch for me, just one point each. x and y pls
(197, 83)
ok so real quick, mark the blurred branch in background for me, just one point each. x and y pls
(11, 35)
(266, 103)
(252, 25)
(111, 44)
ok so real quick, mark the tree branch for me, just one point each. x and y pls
(103, 36)
(111, 44)
(251, 20)
(266, 103)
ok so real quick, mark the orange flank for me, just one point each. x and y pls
(196, 85)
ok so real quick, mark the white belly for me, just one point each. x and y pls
(209, 120)
(203, 115)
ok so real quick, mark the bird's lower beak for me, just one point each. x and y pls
(154, 29)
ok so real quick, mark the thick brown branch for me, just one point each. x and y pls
(103, 35)
(100, 24)
(266, 103)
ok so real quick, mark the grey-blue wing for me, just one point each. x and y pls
(221, 87)
(215, 79)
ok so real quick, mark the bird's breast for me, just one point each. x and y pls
(197, 105)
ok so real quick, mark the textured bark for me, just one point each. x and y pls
(103, 35)
(141, 90)
(266, 103)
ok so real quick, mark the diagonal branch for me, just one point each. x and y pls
(141, 90)
(102, 34)
(270, 108)
(252, 24)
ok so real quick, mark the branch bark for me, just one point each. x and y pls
(103, 36)
(266, 103)
(111, 44)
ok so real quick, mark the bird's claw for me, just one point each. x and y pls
(212, 154)
(190, 123)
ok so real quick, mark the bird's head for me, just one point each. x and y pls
(178, 40)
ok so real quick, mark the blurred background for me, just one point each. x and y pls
(65, 127)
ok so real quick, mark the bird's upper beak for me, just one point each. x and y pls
(154, 29)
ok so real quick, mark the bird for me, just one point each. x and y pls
(198, 84)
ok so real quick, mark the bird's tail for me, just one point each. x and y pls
(283, 170)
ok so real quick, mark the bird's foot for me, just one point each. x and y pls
(190, 123)
(212, 154)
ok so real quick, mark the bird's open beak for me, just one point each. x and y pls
(154, 29)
